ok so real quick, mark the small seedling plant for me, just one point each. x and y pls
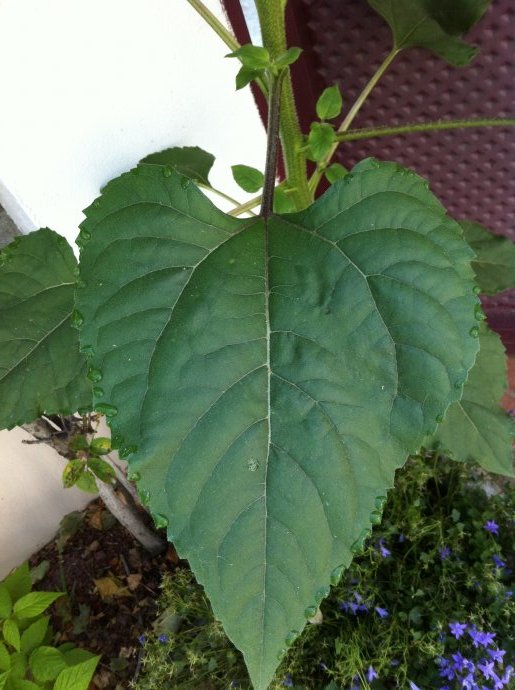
(28, 659)
(266, 375)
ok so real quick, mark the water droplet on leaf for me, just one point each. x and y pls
(116, 440)
(167, 172)
(96, 203)
(108, 410)
(134, 476)
(336, 574)
(439, 418)
(474, 332)
(478, 313)
(125, 451)
(77, 319)
(322, 593)
(95, 375)
(291, 637)
(253, 464)
(476, 290)
(380, 502)
(144, 497)
(310, 611)
(160, 521)
(375, 517)
(98, 392)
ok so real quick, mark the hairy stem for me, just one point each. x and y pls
(351, 115)
(274, 108)
(386, 131)
(273, 29)
(223, 33)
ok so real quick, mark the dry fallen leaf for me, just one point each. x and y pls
(133, 581)
(111, 587)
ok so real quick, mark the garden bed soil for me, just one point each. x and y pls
(112, 587)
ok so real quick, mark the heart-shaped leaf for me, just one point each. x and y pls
(494, 264)
(437, 25)
(268, 377)
(41, 368)
(476, 427)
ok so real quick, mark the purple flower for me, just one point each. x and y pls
(457, 629)
(288, 681)
(496, 654)
(163, 639)
(371, 674)
(413, 686)
(491, 526)
(394, 662)
(382, 548)
(487, 669)
(382, 613)
(234, 684)
(499, 563)
(141, 639)
(323, 666)
(445, 552)
(468, 683)
(401, 538)
(479, 637)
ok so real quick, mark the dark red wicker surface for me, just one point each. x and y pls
(472, 171)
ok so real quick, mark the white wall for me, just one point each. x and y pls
(88, 87)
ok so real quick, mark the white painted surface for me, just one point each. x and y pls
(32, 498)
(89, 87)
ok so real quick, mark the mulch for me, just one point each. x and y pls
(112, 587)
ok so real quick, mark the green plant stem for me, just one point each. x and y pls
(246, 207)
(351, 115)
(371, 132)
(273, 30)
(272, 147)
(223, 33)
(223, 195)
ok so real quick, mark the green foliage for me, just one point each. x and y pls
(334, 172)
(82, 470)
(252, 57)
(494, 264)
(27, 659)
(320, 140)
(476, 427)
(427, 565)
(437, 25)
(330, 103)
(288, 58)
(246, 328)
(39, 353)
(191, 161)
(249, 179)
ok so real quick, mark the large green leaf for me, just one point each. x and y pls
(268, 378)
(494, 264)
(433, 24)
(41, 368)
(476, 427)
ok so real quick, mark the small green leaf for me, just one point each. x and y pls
(34, 635)
(5, 658)
(19, 664)
(252, 57)
(476, 427)
(3, 679)
(6, 604)
(76, 656)
(77, 677)
(38, 572)
(19, 582)
(86, 482)
(102, 469)
(34, 603)
(245, 76)
(330, 103)
(249, 179)
(334, 172)
(437, 25)
(494, 264)
(288, 58)
(191, 161)
(11, 633)
(39, 348)
(72, 473)
(46, 663)
(22, 684)
(101, 445)
(320, 140)
(283, 202)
